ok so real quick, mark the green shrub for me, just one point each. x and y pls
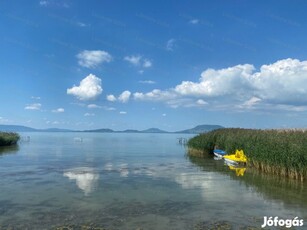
(7, 138)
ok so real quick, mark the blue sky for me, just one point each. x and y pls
(141, 64)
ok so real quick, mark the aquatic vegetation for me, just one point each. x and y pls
(280, 152)
(8, 138)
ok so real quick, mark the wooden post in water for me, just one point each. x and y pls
(182, 140)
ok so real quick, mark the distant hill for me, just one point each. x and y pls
(154, 130)
(21, 128)
(54, 130)
(201, 129)
(130, 131)
(195, 130)
(16, 128)
(99, 131)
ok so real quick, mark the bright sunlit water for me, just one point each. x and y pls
(133, 181)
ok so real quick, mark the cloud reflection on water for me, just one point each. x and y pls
(86, 178)
(211, 185)
(123, 170)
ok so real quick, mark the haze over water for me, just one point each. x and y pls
(133, 181)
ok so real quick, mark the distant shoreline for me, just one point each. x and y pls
(196, 130)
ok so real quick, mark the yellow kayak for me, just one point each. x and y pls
(236, 158)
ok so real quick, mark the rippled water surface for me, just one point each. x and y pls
(133, 181)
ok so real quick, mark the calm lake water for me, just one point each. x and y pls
(133, 181)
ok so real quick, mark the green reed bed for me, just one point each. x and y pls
(280, 152)
(8, 138)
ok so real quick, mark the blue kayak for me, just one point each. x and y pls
(219, 153)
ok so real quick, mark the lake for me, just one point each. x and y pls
(133, 181)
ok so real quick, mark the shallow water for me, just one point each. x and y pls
(133, 181)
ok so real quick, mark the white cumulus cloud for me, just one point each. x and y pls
(93, 106)
(124, 96)
(280, 85)
(201, 102)
(138, 60)
(111, 97)
(155, 95)
(34, 106)
(58, 110)
(250, 102)
(92, 58)
(89, 88)
(133, 59)
(147, 63)
(284, 81)
(218, 82)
